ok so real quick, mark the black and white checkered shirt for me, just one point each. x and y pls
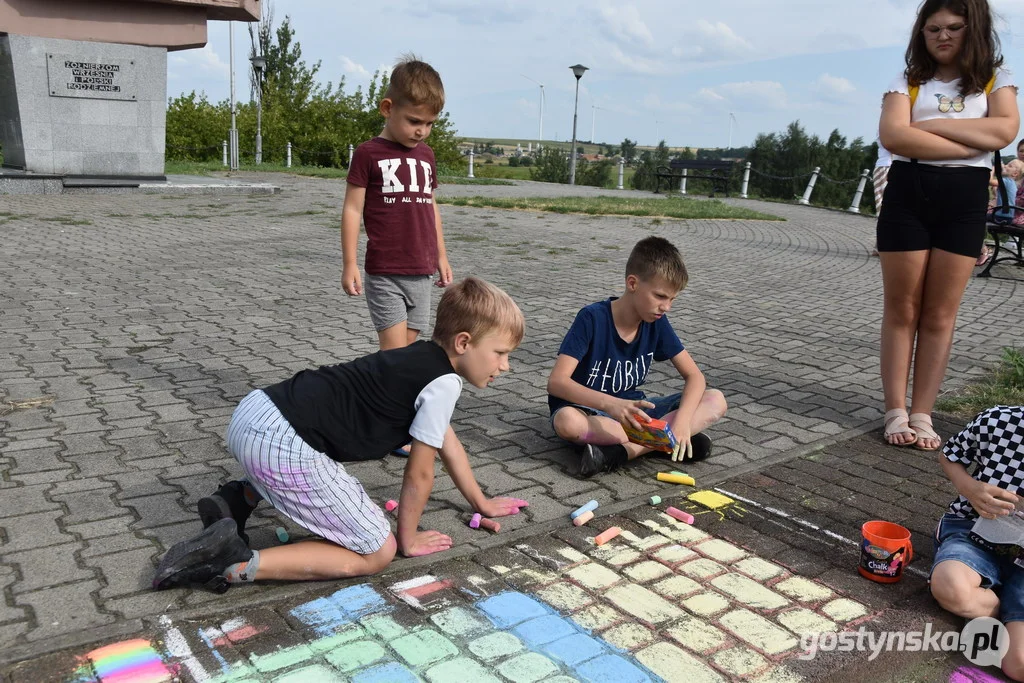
(995, 441)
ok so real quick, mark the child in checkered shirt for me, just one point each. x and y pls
(967, 579)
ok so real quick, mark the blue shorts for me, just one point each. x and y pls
(998, 572)
(663, 405)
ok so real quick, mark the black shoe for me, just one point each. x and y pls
(701, 444)
(203, 559)
(594, 459)
(227, 503)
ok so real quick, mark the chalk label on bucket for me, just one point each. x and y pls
(881, 562)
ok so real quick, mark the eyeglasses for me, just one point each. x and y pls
(953, 30)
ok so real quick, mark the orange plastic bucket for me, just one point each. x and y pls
(885, 549)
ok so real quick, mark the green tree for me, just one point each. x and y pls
(628, 150)
(551, 166)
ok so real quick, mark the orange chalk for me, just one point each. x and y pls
(608, 535)
(584, 518)
(490, 525)
(680, 515)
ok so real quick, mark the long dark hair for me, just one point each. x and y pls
(980, 53)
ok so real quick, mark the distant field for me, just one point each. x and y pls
(588, 148)
(669, 207)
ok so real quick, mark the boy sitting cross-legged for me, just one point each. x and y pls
(293, 438)
(605, 358)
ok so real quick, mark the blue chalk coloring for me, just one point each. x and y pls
(592, 505)
(282, 534)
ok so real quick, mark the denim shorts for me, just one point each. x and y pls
(997, 572)
(663, 405)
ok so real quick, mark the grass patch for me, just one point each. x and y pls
(67, 220)
(206, 168)
(307, 212)
(119, 215)
(1003, 386)
(466, 238)
(677, 207)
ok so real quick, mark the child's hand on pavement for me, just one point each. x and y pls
(351, 282)
(631, 412)
(501, 507)
(425, 543)
(990, 501)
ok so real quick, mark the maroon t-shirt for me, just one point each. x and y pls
(399, 210)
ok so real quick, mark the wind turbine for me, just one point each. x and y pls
(593, 121)
(540, 129)
(732, 119)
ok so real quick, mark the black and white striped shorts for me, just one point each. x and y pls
(304, 484)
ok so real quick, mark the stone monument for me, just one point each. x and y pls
(83, 85)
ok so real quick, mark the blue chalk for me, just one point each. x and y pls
(282, 534)
(592, 505)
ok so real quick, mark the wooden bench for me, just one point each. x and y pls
(1002, 229)
(715, 170)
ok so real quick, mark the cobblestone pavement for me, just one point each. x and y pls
(133, 324)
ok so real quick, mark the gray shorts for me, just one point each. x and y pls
(399, 298)
(304, 484)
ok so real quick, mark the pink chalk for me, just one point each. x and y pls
(391, 506)
(490, 524)
(584, 518)
(475, 522)
(685, 517)
(606, 536)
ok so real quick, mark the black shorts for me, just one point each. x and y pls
(934, 207)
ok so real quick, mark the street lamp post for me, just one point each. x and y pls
(233, 133)
(258, 65)
(577, 71)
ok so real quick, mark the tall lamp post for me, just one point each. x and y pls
(577, 71)
(233, 133)
(258, 65)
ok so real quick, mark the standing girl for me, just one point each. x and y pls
(942, 119)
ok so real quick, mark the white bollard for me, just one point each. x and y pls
(622, 172)
(350, 151)
(225, 147)
(855, 204)
(682, 183)
(288, 158)
(806, 199)
(471, 165)
(746, 181)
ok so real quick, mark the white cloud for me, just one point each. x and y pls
(623, 23)
(636, 64)
(202, 61)
(747, 95)
(835, 89)
(711, 42)
(353, 68)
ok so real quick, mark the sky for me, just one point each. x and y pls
(697, 74)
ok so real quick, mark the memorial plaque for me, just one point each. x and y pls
(101, 79)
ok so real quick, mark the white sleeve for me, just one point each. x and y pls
(898, 84)
(434, 408)
(1004, 79)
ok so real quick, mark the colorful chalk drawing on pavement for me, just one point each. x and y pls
(674, 605)
(970, 674)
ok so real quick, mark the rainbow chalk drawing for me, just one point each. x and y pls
(131, 661)
(592, 505)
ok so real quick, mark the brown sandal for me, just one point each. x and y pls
(922, 424)
(897, 422)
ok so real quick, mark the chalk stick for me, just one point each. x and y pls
(282, 534)
(592, 505)
(655, 500)
(584, 518)
(680, 515)
(490, 524)
(675, 478)
(608, 535)
(475, 522)
(391, 505)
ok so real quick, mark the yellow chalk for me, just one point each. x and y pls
(676, 478)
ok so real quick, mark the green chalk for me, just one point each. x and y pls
(282, 534)
(655, 500)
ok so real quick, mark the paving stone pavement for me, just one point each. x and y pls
(133, 324)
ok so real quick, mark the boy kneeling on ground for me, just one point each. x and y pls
(292, 439)
(605, 358)
(968, 579)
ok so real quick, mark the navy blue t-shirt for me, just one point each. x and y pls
(606, 362)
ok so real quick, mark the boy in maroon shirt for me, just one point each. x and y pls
(391, 183)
